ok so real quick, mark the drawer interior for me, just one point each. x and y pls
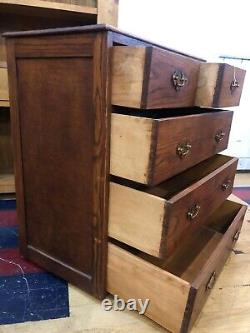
(176, 184)
(195, 251)
(159, 114)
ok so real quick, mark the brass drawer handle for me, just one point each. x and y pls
(183, 149)
(193, 212)
(227, 185)
(211, 281)
(179, 80)
(234, 85)
(219, 136)
(236, 236)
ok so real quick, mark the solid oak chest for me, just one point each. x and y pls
(119, 183)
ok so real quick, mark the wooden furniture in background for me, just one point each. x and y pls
(40, 14)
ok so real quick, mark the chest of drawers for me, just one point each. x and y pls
(111, 194)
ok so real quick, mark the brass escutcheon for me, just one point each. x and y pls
(183, 149)
(236, 236)
(227, 185)
(179, 80)
(234, 85)
(193, 212)
(219, 136)
(211, 281)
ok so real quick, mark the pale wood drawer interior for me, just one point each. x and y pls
(177, 287)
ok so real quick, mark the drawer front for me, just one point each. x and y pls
(186, 141)
(219, 85)
(4, 88)
(209, 274)
(149, 77)
(191, 207)
(155, 220)
(172, 80)
(149, 151)
(230, 87)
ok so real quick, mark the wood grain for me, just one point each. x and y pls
(201, 254)
(214, 83)
(49, 5)
(221, 253)
(108, 12)
(131, 137)
(164, 208)
(155, 140)
(206, 84)
(127, 75)
(136, 218)
(161, 91)
(143, 78)
(7, 183)
(66, 233)
(4, 87)
(132, 277)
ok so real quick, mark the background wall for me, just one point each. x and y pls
(207, 29)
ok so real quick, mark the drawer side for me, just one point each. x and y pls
(216, 262)
(131, 140)
(127, 75)
(132, 277)
(136, 218)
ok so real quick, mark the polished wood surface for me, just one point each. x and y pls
(156, 141)
(143, 78)
(62, 223)
(215, 85)
(155, 220)
(195, 270)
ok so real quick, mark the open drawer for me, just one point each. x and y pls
(219, 85)
(154, 220)
(149, 150)
(150, 77)
(177, 288)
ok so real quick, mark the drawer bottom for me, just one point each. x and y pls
(178, 287)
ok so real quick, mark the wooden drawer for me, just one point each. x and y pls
(155, 220)
(4, 88)
(179, 287)
(151, 150)
(219, 85)
(149, 77)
